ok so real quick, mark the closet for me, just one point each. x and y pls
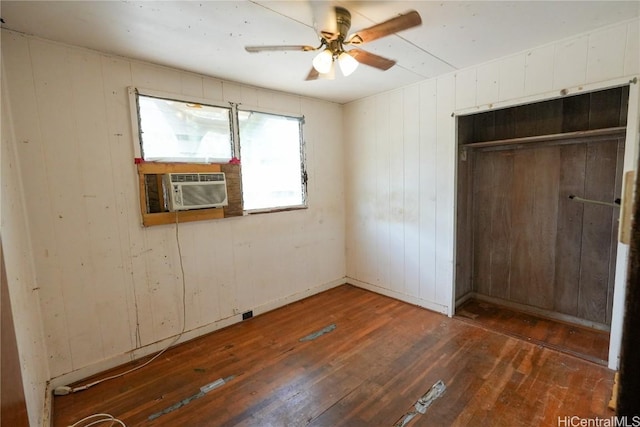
(538, 198)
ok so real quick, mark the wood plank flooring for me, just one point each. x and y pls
(382, 356)
(589, 344)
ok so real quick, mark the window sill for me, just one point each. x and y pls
(272, 210)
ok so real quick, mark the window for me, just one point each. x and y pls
(273, 174)
(177, 131)
(192, 136)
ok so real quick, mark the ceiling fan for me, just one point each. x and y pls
(336, 37)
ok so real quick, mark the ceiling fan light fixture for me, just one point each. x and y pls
(323, 61)
(347, 63)
(329, 75)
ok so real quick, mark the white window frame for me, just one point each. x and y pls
(135, 117)
(303, 157)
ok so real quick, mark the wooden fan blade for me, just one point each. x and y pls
(371, 59)
(313, 74)
(256, 49)
(391, 26)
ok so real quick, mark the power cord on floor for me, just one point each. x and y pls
(99, 419)
(64, 390)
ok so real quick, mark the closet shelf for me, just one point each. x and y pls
(579, 135)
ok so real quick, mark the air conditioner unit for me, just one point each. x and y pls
(195, 190)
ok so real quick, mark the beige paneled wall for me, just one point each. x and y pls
(599, 56)
(401, 146)
(21, 278)
(400, 192)
(107, 285)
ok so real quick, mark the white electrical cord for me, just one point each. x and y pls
(101, 418)
(64, 390)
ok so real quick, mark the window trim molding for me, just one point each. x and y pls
(271, 210)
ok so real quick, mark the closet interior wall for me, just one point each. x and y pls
(521, 238)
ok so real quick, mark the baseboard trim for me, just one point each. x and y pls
(464, 298)
(566, 318)
(429, 305)
(281, 302)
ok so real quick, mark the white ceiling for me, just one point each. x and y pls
(208, 37)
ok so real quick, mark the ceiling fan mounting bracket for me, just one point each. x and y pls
(343, 19)
(343, 24)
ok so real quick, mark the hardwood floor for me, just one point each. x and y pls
(382, 356)
(589, 344)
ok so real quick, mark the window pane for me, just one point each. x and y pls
(183, 132)
(270, 147)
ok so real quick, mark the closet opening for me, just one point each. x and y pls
(538, 205)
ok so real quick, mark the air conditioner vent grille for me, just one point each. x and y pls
(205, 177)
(200, 195)
(195, 190)
(196, 177)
